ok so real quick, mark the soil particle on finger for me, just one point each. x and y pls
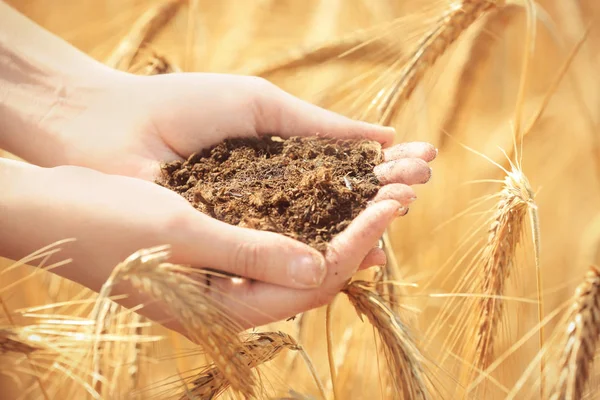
(309, 189)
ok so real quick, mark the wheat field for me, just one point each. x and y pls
(496, 256)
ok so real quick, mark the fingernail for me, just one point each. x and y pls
(429, 177)
(308, 270)
(402, 211)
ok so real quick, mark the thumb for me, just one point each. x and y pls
(261, 303)
(286, 115)
(259, 255)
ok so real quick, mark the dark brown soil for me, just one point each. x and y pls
(309, 189)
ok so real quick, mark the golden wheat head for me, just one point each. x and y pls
(261, 348)
(181, 291)
(498, 258)
(402, 354)
(581, 339)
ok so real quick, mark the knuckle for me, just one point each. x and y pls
(178, 225)
(177, 222)
(260, 84)
(245, 260)
(264, 99)
(334, 255)
(420, 163)
(393, 191)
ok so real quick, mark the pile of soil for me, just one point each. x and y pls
(309, 189)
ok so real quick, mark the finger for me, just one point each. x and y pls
(278, 111)
(357, 240)
(257, 303)
(219, 286)
(424, 151)
(253, 254)
(375, 257)
(403, 194)
(409, 171)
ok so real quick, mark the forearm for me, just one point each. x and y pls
(17, 237)
(24, 210)
(42, 82)
(40, 207)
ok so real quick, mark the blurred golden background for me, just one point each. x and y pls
(468, 98)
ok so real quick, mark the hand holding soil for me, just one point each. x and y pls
(128, 125)
(111, 216)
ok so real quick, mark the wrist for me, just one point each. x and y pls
(44, 83)
(36, 100)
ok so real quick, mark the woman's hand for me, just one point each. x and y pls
(113, 216)
(128, 124)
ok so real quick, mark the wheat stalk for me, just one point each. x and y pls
(477, 61)
(203, 319)
(329, 340)
(432, 47)
(390, 273)
(404, 358)
(121, 358)
(138, 353)
(582, 332)
(144, 28)
(190, 41)
(55, 348)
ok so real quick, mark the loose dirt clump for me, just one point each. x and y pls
(309, 189)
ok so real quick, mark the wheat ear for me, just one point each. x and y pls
(202, 317)
(432, 47)
(497, 260)
(582, 332)
(261, 348)
(402, 354)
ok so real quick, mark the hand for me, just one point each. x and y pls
(113, 216)
(128, 124)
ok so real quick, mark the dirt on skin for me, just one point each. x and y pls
(309, 189)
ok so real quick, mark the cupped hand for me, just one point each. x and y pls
(113, 216)
(128, 124)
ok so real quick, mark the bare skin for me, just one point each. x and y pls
(97, 136)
